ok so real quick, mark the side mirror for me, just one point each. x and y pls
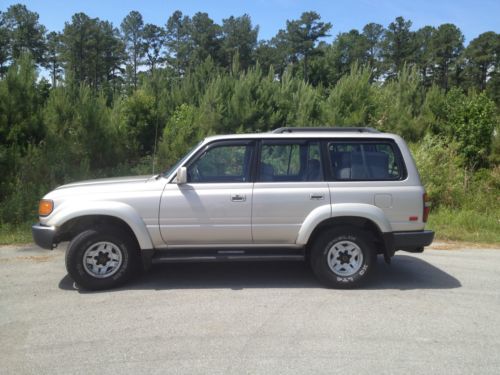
(181, 177)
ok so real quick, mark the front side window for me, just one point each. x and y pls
(294, 161)
(364, 161)
(225, 163)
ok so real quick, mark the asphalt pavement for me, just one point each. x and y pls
(431, 313)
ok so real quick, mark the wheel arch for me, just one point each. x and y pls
(363, 216)
(111, 211)
(347, 221)
(71, 218)
(72, 227)
(341, 210)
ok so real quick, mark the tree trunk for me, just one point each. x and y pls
(305, 69)
(54, 74)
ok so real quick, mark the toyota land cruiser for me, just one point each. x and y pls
(335, 197)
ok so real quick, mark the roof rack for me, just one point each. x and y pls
(324, 129)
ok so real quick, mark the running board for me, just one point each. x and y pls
(185, 256)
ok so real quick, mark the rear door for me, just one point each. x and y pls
(289, 185)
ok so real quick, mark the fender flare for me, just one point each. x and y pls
(322, 213)
(72, 210)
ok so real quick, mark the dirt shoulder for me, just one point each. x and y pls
(436, 245)
(458, 245)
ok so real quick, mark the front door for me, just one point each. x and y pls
(214, 206)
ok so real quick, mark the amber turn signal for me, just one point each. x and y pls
(45, 207)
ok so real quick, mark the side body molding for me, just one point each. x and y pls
(320, 214)
(71, 210)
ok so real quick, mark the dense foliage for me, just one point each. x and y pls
(134, 99)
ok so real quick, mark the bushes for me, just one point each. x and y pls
(470, 120)
(26, 183)
(68, 137)
(448, 180)
(399, 104)
(477, 216)
(75, 132)
(465, 203)
(440, 168)
(454, 165)
(352, 100)
(179, 135)
(466, 224)
(21, 127)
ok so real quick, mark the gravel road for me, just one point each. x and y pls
(437, 312)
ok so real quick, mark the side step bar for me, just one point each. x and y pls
(185, 256)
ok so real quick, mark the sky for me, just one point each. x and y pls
(472, 17)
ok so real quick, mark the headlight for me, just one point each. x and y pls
(45, 207)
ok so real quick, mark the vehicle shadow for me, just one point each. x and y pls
(405, 273)
(410, 272)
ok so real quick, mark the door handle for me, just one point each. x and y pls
(317, 196)
(238, 198)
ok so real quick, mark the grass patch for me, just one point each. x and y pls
(15, 234)
(452, 225)
(465, 225)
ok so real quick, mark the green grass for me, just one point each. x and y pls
(10, 234)
(466, 225)
(454, 225)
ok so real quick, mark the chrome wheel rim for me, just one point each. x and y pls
(102, 259)
(345, 258)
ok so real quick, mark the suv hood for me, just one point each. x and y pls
(105, 181)
(106, 188)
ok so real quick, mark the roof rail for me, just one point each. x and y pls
(324, 129)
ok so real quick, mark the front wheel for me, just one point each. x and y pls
(101, 258)
(343, 257)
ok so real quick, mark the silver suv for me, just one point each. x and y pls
(334, 196)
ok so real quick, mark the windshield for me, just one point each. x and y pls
(169, 171)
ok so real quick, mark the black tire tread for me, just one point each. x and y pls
(78, 245)
(321, 244)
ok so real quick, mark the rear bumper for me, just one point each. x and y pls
(44, 236)
(414, 242)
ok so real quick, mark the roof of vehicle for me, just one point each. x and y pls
(290, 133)
(325, 129)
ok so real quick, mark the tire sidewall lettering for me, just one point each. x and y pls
(322, 246)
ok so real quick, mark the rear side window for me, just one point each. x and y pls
(290, 161)
(365, 161)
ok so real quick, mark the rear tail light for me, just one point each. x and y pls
(427, 207)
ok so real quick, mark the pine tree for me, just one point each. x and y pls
(132, 28)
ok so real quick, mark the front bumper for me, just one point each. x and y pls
(44, 236)
(413, 242)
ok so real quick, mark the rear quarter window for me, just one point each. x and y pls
(365, 161)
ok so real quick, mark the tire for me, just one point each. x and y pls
(102, 258)
(343, 257)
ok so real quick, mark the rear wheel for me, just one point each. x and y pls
(343, 257)
(101, 258)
